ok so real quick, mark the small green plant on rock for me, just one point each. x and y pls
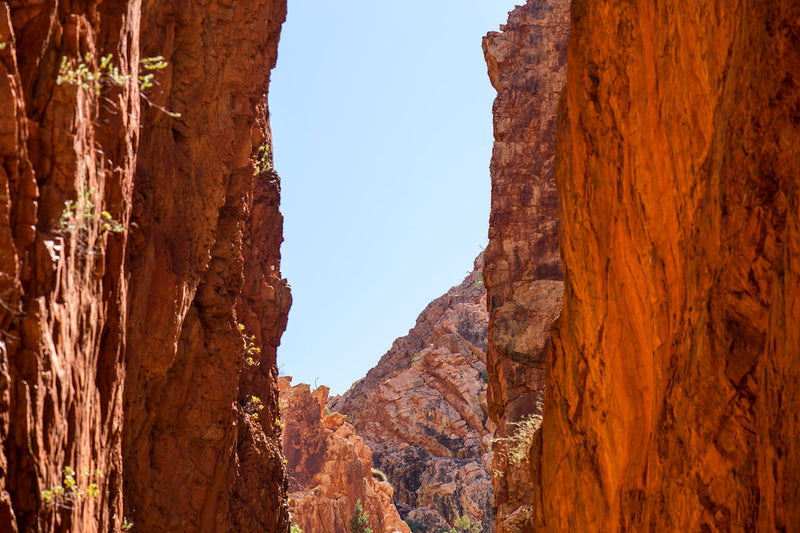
(77, 215)
(126, 525)
(262, 163)
(72, 489)
(521, 440)
(379, 475)
(251, 351)
(252, 406)
(463, 524)
(89, 75)
(358, 524)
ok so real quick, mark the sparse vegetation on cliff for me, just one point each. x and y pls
(463, 524)
(78, 214)
(519, 443)
(358, 524)
(85, 73)
(72, 490)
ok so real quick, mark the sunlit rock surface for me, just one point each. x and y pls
(422, 411)
(120, 351)
(330, 467)
(671, 400)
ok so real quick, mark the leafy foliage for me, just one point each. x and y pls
(73, 489)
(358, 524)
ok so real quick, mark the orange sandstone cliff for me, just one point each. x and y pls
(133, 242)
(422, 412)
(527, 66)
(330, 467)
(670, 400)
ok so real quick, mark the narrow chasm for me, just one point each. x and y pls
(623, 355)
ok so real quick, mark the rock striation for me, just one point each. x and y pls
(422, 412)
(330, 467)
(527, 63)
(670, 400)
(133, 242)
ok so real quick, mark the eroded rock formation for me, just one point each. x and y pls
(527, 66)
(671, 398)
(120, 350)
(330, 467)
(421, 410)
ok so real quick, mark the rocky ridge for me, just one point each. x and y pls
(133, 241)
(527, 66)
(421, 410)
(330, 467)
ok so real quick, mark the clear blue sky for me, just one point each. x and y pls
(382, 125)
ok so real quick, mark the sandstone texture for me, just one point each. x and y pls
(330, 467)
(121, 355)
(527, 66)
(422, 412)
(672, 394)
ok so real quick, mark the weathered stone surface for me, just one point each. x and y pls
(330, 467)
(203, 259)
(122, 347)
(671, 400)
(62, 293)
(422, 411)
(527, 66)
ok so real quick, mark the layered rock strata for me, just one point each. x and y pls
(132, 243)
(671, 400)
(527, 66)
(330, 467)
(421, 410)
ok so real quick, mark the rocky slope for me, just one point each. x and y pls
(120, 351)
(421, 410)
(527, 66)
(330, 467)
(670, 400)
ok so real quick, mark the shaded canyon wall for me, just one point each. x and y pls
(120, 348)
(527, 66)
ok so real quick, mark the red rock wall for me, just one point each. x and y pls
(671, 400)
(330, 467)
(204, 258)
(63, 295)
(527, 66)
(121, 351)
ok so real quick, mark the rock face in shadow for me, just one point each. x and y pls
(421, 410)
(527, 66)
(671, 400)
(330, 467)
(121, 355)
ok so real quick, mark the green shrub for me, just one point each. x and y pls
(379, 475)
(416, 526)
(519, 443)
(77, 215)
(72, 489)
(358, 524)
(463, 524)
(89, 75)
